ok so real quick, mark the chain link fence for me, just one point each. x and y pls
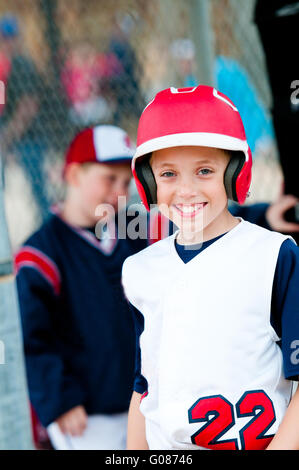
(69, 64)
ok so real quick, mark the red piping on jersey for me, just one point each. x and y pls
(143, 396)
(33, 258)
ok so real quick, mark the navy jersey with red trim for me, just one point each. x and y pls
(77, 328)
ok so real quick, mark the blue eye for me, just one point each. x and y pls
(167, 174)
(205, 171)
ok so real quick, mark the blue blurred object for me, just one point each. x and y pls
(233, 81)
(9, 26)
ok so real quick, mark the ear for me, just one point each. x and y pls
(72, 174)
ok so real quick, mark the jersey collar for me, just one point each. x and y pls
(106, 244)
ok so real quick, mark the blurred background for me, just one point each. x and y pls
(69, 64)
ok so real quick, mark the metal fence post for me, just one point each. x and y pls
(15, 424)
(201, 34)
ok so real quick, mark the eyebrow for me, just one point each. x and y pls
(199, 162)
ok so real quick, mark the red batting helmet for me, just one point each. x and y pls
(199, 116)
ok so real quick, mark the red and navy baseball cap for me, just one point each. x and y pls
(100, 144)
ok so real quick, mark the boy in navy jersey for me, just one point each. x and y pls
(216, 304)
(77, 328)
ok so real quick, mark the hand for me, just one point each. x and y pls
(73, 422)
(275, 214)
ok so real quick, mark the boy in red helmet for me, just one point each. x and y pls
(78, 331)
(216, 304)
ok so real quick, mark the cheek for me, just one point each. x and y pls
(124, 191)
(216, 189)
(222, 190)
(164, 193)
(95, 192)
(163, 200)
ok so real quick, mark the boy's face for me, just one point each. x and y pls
(190, 187)
(94, 184)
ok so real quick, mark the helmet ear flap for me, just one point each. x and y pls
(146, 177)
(231, 174)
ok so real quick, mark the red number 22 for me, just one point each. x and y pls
(218, 413)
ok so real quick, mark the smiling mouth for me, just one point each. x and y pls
(190, 210)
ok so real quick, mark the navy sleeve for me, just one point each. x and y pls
(52, 391)
(254, 213)
(140, 383)
(285, 307)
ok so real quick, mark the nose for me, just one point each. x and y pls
(186, 188)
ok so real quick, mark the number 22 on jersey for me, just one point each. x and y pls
(218, 414)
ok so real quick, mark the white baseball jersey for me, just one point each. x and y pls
(208, 350)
